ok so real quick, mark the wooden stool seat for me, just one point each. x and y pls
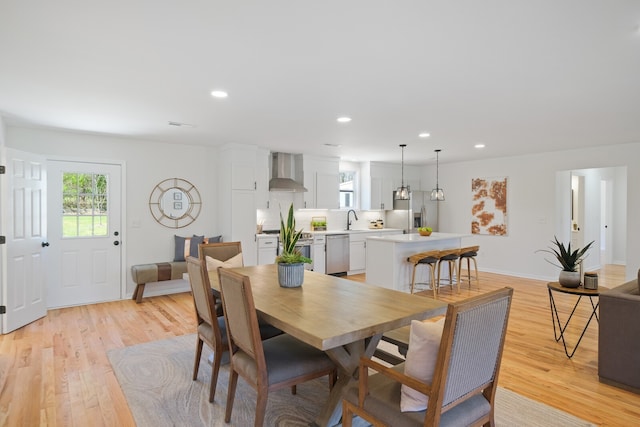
(429, 258)
(469, 254)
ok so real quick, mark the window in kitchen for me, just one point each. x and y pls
(347, 189)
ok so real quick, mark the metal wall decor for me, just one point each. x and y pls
(175, 203)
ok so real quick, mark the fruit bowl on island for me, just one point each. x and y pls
(425, 231)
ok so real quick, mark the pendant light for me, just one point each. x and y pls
(437, 193)
(402, 193)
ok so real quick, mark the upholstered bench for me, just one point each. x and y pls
(163, 271)
(157, 272)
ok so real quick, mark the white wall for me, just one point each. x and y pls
(146, 164)
(531, 204)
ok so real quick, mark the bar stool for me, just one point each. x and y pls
(469, 254)
(430, 259)
(450, 256)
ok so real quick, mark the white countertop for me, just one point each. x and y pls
(415, 237)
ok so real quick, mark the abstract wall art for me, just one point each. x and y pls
(489, 206)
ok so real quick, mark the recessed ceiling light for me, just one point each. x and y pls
(424, 135)
(219, 94)
(479, 146)
(344, 119)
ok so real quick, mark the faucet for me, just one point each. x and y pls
(354, 215)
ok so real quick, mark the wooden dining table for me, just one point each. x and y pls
(344, 318)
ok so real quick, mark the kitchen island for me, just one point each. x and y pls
(387, 255)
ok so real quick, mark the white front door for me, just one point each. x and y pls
(26, 213)
(84, 233)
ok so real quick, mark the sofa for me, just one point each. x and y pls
(619, 336)
(143, 274)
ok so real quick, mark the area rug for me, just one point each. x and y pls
(156, 380)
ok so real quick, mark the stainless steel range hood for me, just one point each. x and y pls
(283, 173)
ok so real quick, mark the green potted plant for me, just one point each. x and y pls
(290, 262)
(568, 261)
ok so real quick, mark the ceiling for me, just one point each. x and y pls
(518, 76)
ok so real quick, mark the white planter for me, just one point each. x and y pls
(569, 279)
(291, 275)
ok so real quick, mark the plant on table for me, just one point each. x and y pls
(289, 237)
(567, 260)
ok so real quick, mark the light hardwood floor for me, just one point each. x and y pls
(55, 371)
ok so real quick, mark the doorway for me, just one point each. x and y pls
(592, 205)
(84, 222)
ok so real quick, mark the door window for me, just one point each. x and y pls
(84, 205)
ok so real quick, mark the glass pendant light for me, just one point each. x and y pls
(402, 193)
(437, 193)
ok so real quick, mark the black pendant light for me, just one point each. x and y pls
(437, 193)
(402, 193)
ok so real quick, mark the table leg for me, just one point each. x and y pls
(347, 358)
(555, 318)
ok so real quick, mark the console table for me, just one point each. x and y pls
(579, 292)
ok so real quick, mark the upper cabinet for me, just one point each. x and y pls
(378, 181)
(321, 177)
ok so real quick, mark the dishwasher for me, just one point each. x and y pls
(337, 258)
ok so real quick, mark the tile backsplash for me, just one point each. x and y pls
(336, 218)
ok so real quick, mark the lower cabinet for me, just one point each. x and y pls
(357, 252)
(267, 250)
(318, 253)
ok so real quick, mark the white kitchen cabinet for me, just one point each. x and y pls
(318, 253)
(321, 177)
(267, 249)
(378, 185)
(263, 158)
(381, 194)
(357, 252)
(238, 197)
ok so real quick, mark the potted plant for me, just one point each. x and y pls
(290, 261)
(568, 261)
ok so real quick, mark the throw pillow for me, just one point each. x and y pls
(179, 248)
(213, 264)
(216, 239)
(424, 344)
(193, 245)
(233, 262)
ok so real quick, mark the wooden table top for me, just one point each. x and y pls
(328, 311)
(580, 290)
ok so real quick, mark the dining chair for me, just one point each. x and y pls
(211, 328)
(282, 361)
(464, 369)
(221, 252)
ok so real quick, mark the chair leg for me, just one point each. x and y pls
(215, 369)
(196, 364)
(475, 266)
(294, 389)
(434, 285)
(231, 395)
(261, 406)
(347, 415)
(413, 277)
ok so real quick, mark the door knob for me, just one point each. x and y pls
(45, 244)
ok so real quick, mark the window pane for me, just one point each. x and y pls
(84, 205)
